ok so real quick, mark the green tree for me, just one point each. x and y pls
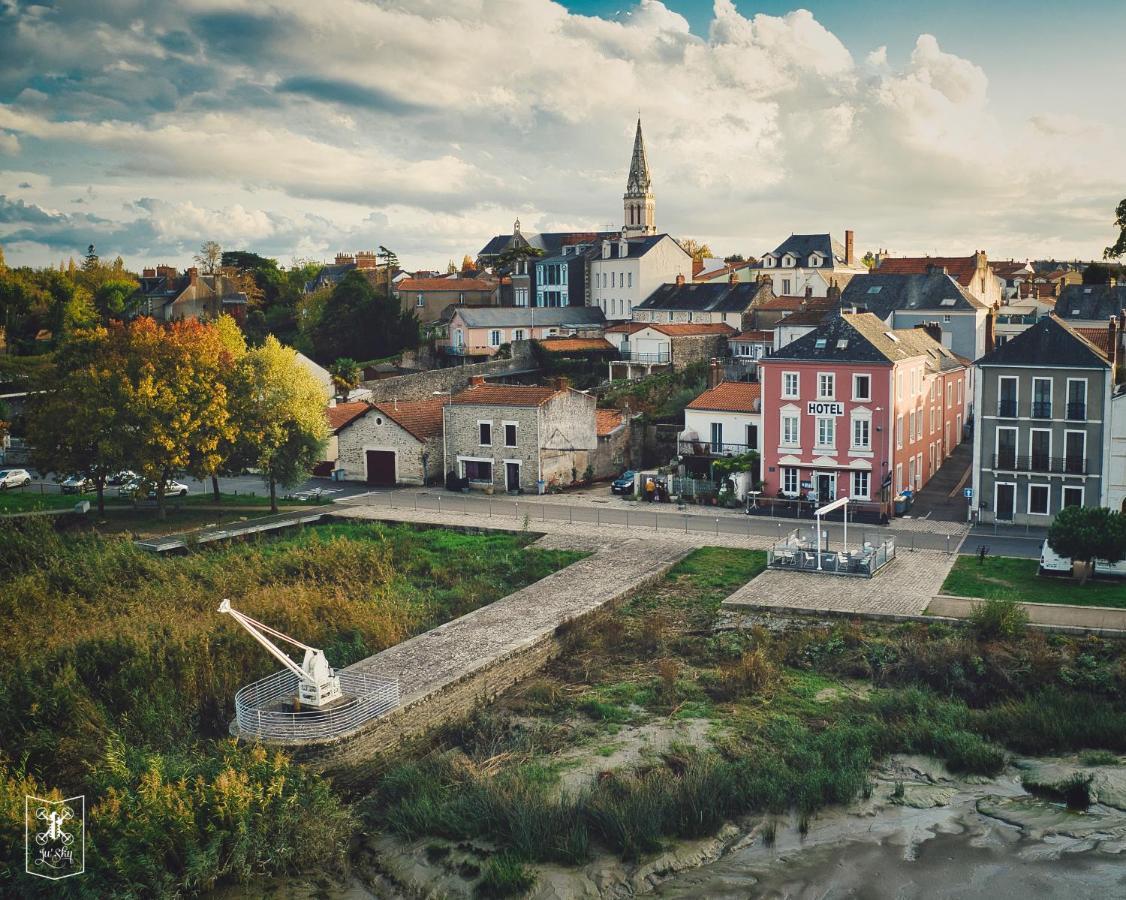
(91, 261)
(1118, 248)
(345, 376)
(279, 410)
(1096, 273)
(696, 249)
(869, 260)
(77, 420)
(1087, 533)
(229, 457)
(209, 257)
(113, 299)
(362, 322)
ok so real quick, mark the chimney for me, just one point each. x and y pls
(833, 294)
(623, 245)
(715, 373)
(193, 275)
(933, 329)
(560, 383)
(1112, 344)
(809, 292)
(148, 273)
(475, 380)
(605, 249)
(850, 249)
(679, 280)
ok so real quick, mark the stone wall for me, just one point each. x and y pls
(616, 452)
(375, 431)
(422, 385)
(692, 348)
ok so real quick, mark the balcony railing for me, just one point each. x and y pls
(468, 350)
(637, 357)
(1077, 412)
(1007, 409)
(1036, 462)
(711, 448)
(1041, 409)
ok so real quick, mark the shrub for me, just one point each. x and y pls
(1099, 758)
(998, 619)
(505, 875)
(751, 673)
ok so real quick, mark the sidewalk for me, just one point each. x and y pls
(1051, 615)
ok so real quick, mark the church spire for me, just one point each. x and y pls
(638, 199)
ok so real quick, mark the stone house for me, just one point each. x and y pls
(390, 442)
(509, 437)
(1044, 432)
(627, 270)
(703, 302)
(645, 349)
(808, 262)
(168, 296)
(725, 420)
(427, 298)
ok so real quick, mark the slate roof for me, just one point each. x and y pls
(1091, 301)
(607, 421)
(801, 245)
(524, 316)
(504, 395)
(445, 284)
(638, 246)
(861, 337)
(343, 414)
(1050, 343)
(706, 296)
(961, 268)
(421, 418)
(551, 242)
(883, 292)
(731, 396)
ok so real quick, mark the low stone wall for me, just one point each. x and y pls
(422, 385)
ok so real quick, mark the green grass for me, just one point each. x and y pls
(1005, 578)
(30, 501)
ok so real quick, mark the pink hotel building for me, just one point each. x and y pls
(854, 409)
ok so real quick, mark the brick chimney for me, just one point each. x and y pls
(679, 280)
(560, 382)
(715, 373)
(344, 259)
(931, 328)
(850, 248)
(148, 273)
(193, 275)
(475, 380)
(365, 259)
(833, 294)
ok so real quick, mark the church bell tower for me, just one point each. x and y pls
(638, 199)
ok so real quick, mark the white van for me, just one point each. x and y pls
(1051, 563)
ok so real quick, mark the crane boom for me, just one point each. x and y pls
(318, 683)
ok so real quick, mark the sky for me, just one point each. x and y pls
(300, 129)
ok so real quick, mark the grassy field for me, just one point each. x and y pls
(1005, 578)
(779, 722)
(29, 501)
(118, 675)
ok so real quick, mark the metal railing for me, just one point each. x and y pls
(628, 355)
(1007, 409)
(1041, 409)
(798, 556)
(467, 349)
(1041, 462)
(711, 448)
(1077, 412)
(368, 696)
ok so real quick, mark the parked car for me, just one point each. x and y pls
(1051, 563)
(172, 489)
(77, 484)
(14, 478)
(623, 484)
(123, 477)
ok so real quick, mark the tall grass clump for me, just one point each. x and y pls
(1055, 720)
(998, 619)
(505, 875)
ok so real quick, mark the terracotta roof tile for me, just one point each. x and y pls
(504, 395)
(790, 303)
(607, 420)
(730, 396)
(560, 345)
(961, 268)
(422, 418)
(344, 413)
(1099, 337)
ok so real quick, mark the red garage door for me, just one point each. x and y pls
(381, 467)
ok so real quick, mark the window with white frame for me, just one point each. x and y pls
(860, 485)
(790, 384)
(826, 384)
(899, 432)
(494, 337)
(899, 385)
(485, 434)
(518, 334)
(629, 279)
(510, 434)
(421, 301)
(861, 434)
(790, 481)
(786, 286)
(1072, 495)
(789, 430)
(1038, 499)
(861, 387)
(826, 431)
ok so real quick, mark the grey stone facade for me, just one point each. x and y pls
(376, 431)
(422, 385)
(551, 439)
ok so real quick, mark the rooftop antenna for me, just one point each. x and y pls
(318, 685)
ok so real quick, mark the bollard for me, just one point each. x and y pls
(439, 504)
(912, 542)
(392, 496)
(947, 545)
(465, 506)
(570, 515)
(717, 526)
(686, 523)
(543, 512)
(490, 508)
(517, 513)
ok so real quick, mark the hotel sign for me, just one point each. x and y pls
(825, 408)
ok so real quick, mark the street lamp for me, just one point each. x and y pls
(449, 397)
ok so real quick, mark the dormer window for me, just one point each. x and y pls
(768, 261)
(789, 261)
(814, 260)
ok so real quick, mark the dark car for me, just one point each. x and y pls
(623, 484)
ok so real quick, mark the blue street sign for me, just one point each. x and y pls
(968, 493)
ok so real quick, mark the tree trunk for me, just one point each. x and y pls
(161, 512)
(100, 483)
(215, 487)
(273, 495)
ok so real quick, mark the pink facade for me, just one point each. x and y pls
(865, 430)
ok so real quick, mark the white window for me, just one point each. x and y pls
(485, 433)
(861, 387)
(613, 279)
(826, 431)
(1038, 499)
(860, 485)
(861, 434)
(790, 384)
(826, 384)
(510, 434)
(629, 279)
(420, 301)
(789, 430)
(786, 286)
(518, 334)
(494, 337)
(899, 432)
(946, 319)
(790, 481)
(1072, 495)
(899, 386)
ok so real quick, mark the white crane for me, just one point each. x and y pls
(318, 683)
